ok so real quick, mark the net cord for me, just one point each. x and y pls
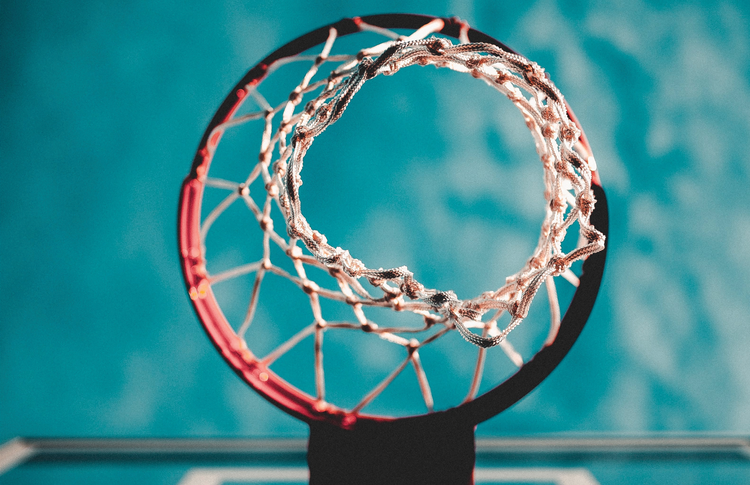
(568, 192)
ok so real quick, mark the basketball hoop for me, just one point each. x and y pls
(271, 188)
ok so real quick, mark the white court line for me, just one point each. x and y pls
(218, 476)
(745, 449)
(14, 452)
(558, 476)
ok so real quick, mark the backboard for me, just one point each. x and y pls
(555, 460)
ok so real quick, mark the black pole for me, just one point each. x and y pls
(439, 450)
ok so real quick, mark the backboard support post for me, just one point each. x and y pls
(407, 451)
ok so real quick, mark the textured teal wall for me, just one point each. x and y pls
(102, 106)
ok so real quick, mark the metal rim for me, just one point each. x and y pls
(274, 388)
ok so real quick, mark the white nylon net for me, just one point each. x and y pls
(314, 104)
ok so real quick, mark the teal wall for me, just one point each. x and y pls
(102, 106)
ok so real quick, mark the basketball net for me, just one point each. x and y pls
(319, 100)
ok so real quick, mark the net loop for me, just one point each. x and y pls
(567, 176)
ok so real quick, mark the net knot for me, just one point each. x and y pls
(470, 313)
(295, 96)
(397, 303)
(557, 264)
(438, 45)
(319, 238)
(310, 287)
(272, 189)
(586, 203)
(502, 77)
(412, 346)
(570, 133)
(441, 299)
(279, 168)
(513, 308)
(411, 287)
(572, 158)
(549, 114)
(550, 130)
(593, 236)
(266, 224)
(351, 266)
(557, 204)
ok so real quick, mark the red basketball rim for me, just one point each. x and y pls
(266, 382)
